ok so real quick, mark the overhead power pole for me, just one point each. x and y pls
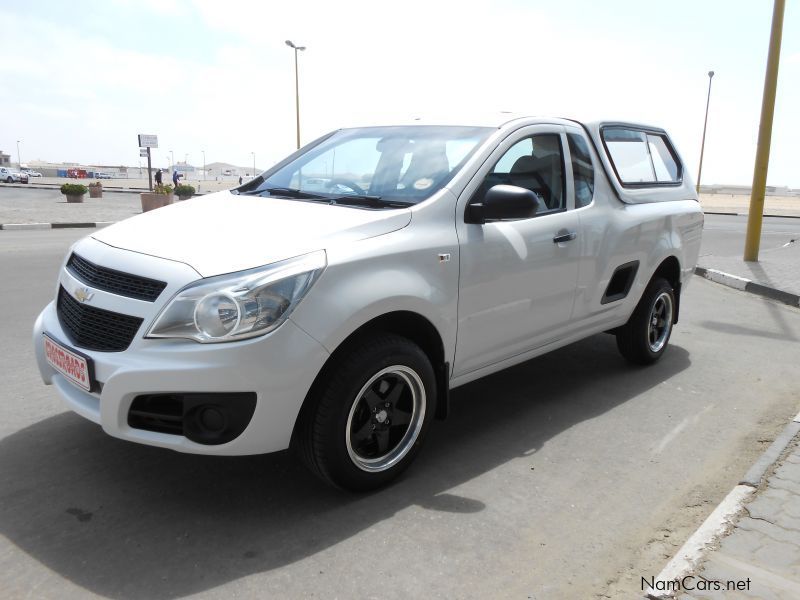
(756, 215)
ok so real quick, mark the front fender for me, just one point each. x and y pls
(397, 272)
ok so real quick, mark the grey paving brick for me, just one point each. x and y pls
(789, 471)
(792, 507)
(772, 531)
(716, 570)
(745, 543)
(765, 584)
(768, 503)
(778, 556)
(784, 484)
(778, 270)
(786, 521)
(764, 544)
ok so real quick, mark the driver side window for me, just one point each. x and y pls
(535, 163)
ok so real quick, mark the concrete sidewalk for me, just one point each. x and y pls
(753, 550)
(763, 549)
(776, 275)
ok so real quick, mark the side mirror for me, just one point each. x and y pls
(503, 202)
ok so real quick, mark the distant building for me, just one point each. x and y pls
(745, 190)
(5, 159)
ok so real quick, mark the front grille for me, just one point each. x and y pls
(94, 328)
(116, 282)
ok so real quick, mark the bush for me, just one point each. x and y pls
(164, 190)
(184, 190)
(74, 189)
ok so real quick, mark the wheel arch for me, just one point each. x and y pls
(670, 269)
(407, 324)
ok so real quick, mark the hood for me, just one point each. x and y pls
(223, 232)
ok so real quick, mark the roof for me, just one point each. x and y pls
(482, 119)
(495, 119)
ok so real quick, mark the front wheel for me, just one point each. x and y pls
(9, 180)
(367, 416)
(643, 339)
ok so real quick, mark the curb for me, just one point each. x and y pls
(55, 186)
(733, 214)
(756, 473)
(746, 285)
(33, 226)
(689, 556)
(123, 190)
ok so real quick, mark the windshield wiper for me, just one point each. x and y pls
(286, 193)
(352, 200)
(369, 201)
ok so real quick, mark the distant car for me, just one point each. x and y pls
(31, 173)
(102, 176)
(12, 176)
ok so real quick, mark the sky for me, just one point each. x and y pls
(80, 80)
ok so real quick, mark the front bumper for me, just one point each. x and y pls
(279, 367)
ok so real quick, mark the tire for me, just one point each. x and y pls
(9, 180)
(367, 415)
(644, 338)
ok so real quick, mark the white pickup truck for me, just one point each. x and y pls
(332, 303)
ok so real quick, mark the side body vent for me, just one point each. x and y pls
(621, 282)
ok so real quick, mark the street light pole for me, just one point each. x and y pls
(756, 213)
(254, 163)
(705, 124)
(172, 154)
(19, 160)
(204, 164)
(296, 87)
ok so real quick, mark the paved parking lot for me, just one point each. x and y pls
(34, 205)
(569, 476)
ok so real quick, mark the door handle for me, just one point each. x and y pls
(564, 237)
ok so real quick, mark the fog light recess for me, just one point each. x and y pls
(210, 419)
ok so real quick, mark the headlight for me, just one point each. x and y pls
(240, 305)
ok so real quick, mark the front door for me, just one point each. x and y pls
(518, 277)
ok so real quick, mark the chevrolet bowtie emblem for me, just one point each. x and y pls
(83, 294)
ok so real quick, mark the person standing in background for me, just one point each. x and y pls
(175, 177)
(158, 177)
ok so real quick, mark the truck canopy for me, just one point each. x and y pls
(641, 162)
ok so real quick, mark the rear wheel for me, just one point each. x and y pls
(9, 180)
(644, 338)
(368, 414)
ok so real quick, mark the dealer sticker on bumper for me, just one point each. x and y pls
(70, 365)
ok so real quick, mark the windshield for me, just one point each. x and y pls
(384, 165)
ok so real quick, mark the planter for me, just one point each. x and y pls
(74, 197)
(151, 201)
(184, 197)
(95, 191)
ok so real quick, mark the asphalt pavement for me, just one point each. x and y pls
(570, 476)
(723, 235)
